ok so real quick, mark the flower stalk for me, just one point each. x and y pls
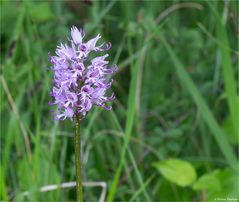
(79, 192)
(81, 80)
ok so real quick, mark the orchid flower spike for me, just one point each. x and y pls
(80, 82)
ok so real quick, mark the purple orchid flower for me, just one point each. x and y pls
(78, 86)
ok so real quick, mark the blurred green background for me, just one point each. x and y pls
(173, 132)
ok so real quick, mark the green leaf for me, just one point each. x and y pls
(218, 184)
(41, 12)
(177, 171)
(208, 182)
(228, 179)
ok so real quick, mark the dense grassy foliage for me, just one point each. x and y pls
(173, 132)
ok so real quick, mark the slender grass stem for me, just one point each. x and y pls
(79, 192)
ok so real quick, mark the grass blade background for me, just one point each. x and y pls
(227, 72)
(128, 128)
(141, 188)
(203, 107)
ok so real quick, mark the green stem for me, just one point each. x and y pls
(78, 159)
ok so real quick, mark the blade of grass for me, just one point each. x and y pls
(202, 105)
(101, 15)
(3, 187)
(135, 72)
(132, 159)
(217, 41)
(175, 7)
(142, 187)
(132, 139)
(140, 179)
(15, 110)
(86, 132)
(128, 129)
(118, 144)
(227, 71)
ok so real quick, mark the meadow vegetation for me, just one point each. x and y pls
(173, 132)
